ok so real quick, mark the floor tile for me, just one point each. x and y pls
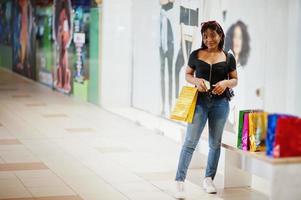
(22, 166)
(9, 142)
(51, 191)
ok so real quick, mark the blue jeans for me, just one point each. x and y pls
(216, 111)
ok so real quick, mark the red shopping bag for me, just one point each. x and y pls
(287, 137)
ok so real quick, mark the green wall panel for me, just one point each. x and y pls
(6, 57)
(93, 88)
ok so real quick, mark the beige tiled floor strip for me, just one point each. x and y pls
(22, 166)
(50, 198)
(9, 142)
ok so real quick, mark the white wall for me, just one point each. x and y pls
(293, 53)
(278, 55)
(281, 82)
(251, 76)
(298, 67)
(146, 59)
(116, 54)
(276, 62)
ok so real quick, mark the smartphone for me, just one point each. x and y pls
(207, 84)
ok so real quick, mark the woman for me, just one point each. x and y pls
(237, 42)
(23, 39)
(62, 26)
(207, 64)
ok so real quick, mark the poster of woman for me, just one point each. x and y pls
(237, 42)
(62, 34)
(23, 38)
(166, 52)
(244, 39)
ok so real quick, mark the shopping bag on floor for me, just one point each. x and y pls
(287, 137)
(185, 105)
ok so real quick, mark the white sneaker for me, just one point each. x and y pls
(180, 190)
(209, 186)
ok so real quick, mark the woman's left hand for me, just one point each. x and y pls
(220, 87)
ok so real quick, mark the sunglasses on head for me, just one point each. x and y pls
(209, 22)
(213, 22)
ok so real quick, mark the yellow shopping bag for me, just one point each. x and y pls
(185, 105)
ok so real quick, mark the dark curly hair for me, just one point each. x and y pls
(245, 50)
(215, 26)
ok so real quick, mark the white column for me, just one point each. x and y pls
(298, 68)
(116, 50)
(293, 54)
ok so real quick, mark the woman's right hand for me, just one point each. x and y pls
(200, 84)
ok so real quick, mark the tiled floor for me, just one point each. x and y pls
(54, 147)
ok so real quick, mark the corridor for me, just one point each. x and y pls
(55, 147)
